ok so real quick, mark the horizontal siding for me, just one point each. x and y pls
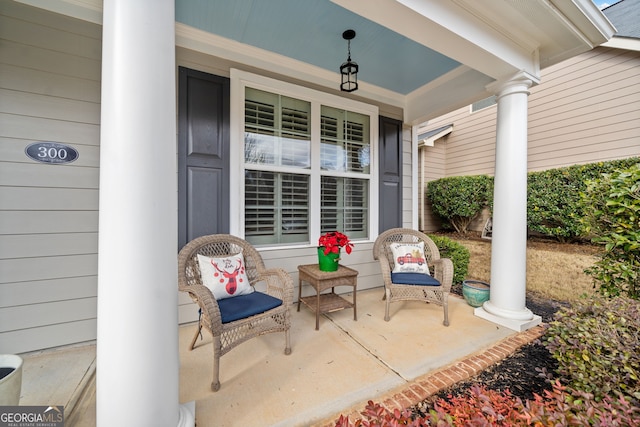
(49, 313)
(32, 129)
(37, 198)
(24, 340)
(42, 268)
(46, 176)
(44, 245)
(407, 181)
(49, 91)
(49, 290)
(45, 222)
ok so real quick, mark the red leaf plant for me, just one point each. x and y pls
(333, 241)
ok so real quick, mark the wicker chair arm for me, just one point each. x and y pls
(385, 269)
(202, 296)
(443, 271)
(279, 284)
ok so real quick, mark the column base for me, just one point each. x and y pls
(513, 324)
(187, 414)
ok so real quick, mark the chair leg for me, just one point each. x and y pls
(445, 305)
(215, 384)
(287, 348)
(195, 337)
(387, 303)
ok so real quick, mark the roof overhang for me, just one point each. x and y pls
(427, 138)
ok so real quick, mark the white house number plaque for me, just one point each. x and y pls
(51, 152)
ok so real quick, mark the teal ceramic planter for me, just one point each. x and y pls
(475, 292)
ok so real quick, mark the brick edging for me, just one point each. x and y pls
(417, 390)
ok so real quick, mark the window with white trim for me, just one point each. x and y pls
(298, 178)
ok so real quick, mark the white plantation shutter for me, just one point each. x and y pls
(345, 150)
(277, 133)
(278, 169)
(345, 206)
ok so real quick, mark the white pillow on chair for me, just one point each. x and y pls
(409, 258)
(225, 277)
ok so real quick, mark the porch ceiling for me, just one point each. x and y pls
(427, 57)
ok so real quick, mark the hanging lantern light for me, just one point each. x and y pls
(349, 69)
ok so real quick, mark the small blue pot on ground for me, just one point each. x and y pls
(475, 292)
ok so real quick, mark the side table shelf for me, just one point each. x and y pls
(320, 281)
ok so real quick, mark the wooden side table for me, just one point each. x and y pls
(323, 280)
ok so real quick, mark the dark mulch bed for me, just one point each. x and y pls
(521, 372)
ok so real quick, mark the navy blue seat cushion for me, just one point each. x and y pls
(244, 306)
(414, 279)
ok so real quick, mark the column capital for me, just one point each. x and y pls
(518, 83)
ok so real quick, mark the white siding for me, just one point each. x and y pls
(49, 91)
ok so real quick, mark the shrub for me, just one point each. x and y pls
(613, 219)
(596, 342)
(483, 407)
(457, 200)
(377, 416)
(562, 407)
(458, 254)
(554, 206)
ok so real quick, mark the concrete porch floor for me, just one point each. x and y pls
(332, 371)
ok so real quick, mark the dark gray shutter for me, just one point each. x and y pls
(390, 174)
(203, 155)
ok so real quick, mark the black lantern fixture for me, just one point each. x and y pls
(349, 69)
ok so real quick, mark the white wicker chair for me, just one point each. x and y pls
(441, 269)
(228, 335)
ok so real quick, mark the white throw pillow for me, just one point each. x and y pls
(409, 258)
(225, 277)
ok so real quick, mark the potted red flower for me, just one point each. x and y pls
(329, 246)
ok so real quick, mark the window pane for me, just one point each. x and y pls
(345, 206)
(276, 207)
(277, 129)
(345, 141)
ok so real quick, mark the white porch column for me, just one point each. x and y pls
(137, 346)
(506, 305)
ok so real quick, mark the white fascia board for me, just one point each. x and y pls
(585, 20)
(626, 43)
(452, 31)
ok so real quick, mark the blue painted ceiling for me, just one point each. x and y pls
(311, 31)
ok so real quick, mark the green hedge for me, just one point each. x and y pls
(457, 253)
(554, 206)
(457, 200)
(612, 218)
